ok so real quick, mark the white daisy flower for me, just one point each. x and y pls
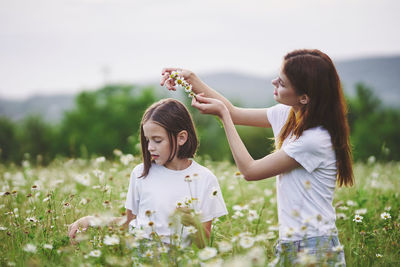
(237, 214)
(179, 80)
(32, 219)
(207, 253)
(99, 174)
(83, 201)
(268, 192)
(148, 253)
(188, 178)
(100, 159)
(338, 248)
(252, 215)
(117, 152)
(30, 248)
(191, 229)
(48, 246)
(191, 94)
(351, 203)
(385, 216)
(95, 253)
(83, 179)
(174, 74)
(358, 218)
(126, 159)
(188, 88)
(341, 216)
(246, 241)
(224, 246)
(361, 211)
(111, 240)
(163, 249)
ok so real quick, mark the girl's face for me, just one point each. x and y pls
(284, 92)
(158, 142)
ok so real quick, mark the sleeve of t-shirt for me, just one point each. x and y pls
(310, 150)
(212, 204)
(132, 198)
(277, 116)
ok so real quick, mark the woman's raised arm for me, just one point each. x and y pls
(271, 165)
(240, 116)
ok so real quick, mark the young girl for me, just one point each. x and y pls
(168, 179)
(312, 148)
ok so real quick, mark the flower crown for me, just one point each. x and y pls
(179, 80)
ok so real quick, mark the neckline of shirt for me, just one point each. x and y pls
(184, 171)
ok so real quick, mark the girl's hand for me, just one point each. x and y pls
(186, 215)
(83, 223)
(209, 105)
(169, 82)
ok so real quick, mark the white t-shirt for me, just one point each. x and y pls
(305, 194)
(161, 190)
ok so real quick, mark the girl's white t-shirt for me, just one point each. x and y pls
(161, 191)
(305, 194)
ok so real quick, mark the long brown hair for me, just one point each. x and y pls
(174, 117)
(313, 73)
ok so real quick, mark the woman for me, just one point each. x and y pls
(312, 149)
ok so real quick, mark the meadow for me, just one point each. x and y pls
(37, 203)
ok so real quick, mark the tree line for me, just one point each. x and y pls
(109, 119)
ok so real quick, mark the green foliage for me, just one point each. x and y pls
(105, 120)
(374, 128)
(8, 140)
(34, 220)
(37, 139)
(109, 119)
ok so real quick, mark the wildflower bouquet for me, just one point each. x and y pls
(179, 80)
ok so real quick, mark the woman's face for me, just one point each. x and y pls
(284, 92)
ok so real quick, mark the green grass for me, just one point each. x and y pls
(38, 203)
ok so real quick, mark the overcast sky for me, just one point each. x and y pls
(64, 46)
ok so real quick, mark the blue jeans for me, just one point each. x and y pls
(314, 250)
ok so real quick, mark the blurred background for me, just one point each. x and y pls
(77, 75)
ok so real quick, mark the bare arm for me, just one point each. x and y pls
(201, 237)
(203, 234)
(87, 221)
(240, 116)
(269, 166)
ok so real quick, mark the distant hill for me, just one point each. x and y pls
(50, 107)
(382, 74)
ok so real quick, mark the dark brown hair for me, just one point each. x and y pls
(174, 117)
(313, 73)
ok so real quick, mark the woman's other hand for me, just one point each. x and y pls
(209, 105)
(169, 82)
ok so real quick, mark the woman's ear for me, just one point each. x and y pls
(304, 99)
(182, 137)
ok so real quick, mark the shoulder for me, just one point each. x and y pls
(277, 116)
(317, 136)
(203, 171)
(137, 171)
(316, 140)
(278, 110)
